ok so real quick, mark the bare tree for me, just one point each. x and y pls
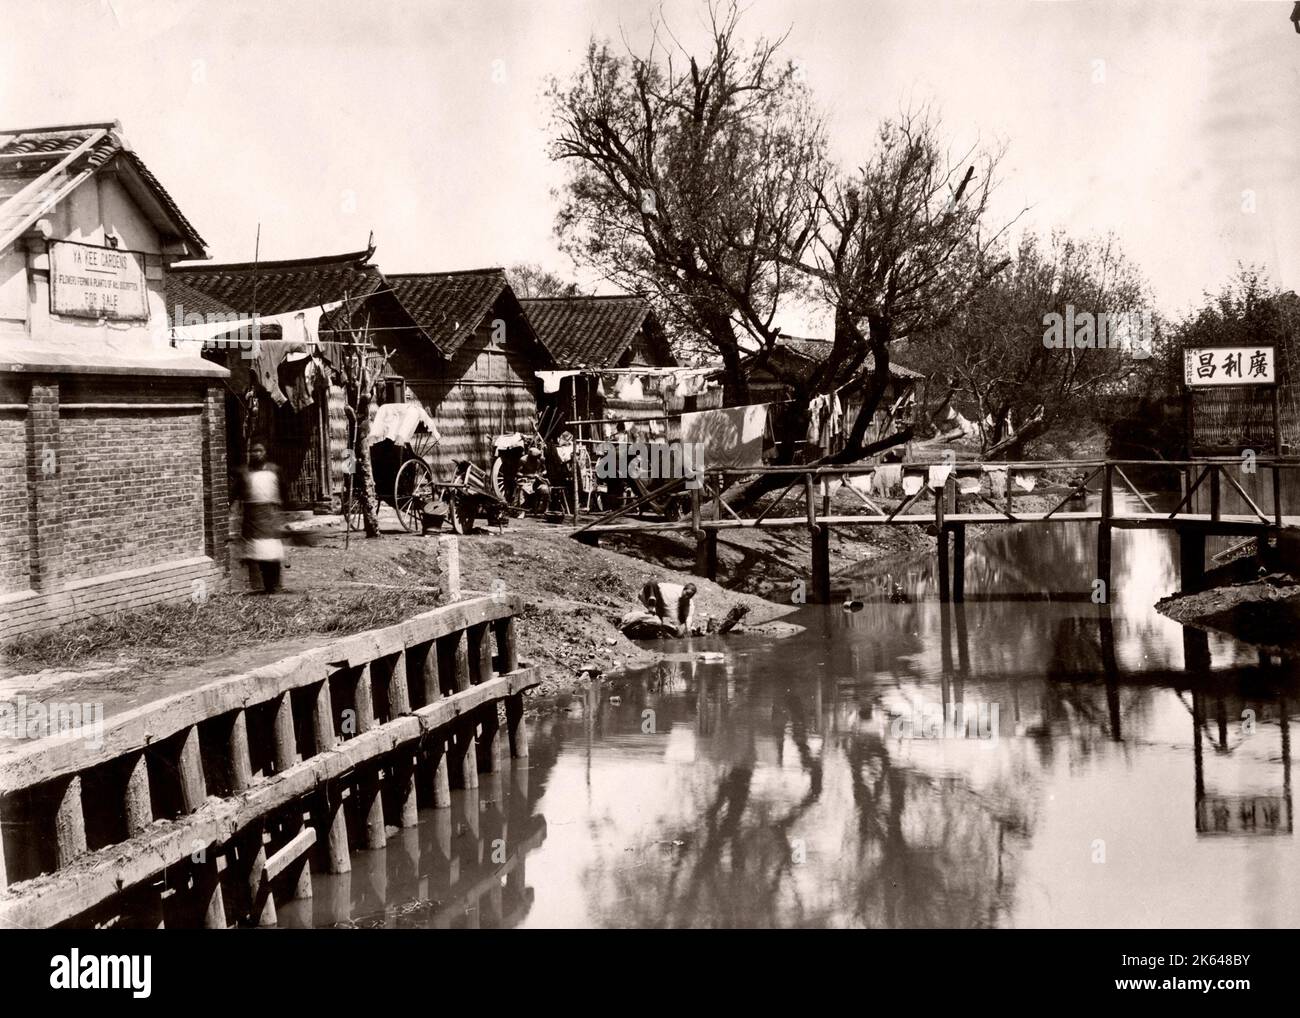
(363, 371)
(998, 355)
(531, 280)
(899, 247)
(686, 176)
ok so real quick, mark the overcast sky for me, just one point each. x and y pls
(1175, 125)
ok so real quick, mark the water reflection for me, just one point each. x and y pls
(996, 763)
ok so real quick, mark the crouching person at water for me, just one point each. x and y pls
(258, 488)
(672, 604)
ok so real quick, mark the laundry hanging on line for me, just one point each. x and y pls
(398, 422)
(732, 438)
(551, 379)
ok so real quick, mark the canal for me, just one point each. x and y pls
(1025, 759)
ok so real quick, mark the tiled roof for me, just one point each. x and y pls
(183, 299)
(592, 332)
(451, 305)
(271, 288)
(276, 287)
(49, 146)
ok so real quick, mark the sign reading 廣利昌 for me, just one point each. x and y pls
(1229, 365)
(97, 282)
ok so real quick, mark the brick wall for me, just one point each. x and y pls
(113, 494)
(132, 488)
(13, 489)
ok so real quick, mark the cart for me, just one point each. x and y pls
(470, 497)
(403, 478)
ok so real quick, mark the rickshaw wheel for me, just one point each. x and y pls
(461, 522)
(412, 491)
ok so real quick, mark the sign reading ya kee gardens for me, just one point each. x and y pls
(1229, 365)
(97, 282)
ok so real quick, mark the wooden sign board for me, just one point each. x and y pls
(97, 282)
(1212, 366)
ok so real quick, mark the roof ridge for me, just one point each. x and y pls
(283, 263)
(446, 272)
(592, 296)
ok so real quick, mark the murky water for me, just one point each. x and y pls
(1025, 759)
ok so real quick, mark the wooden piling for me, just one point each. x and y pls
(370, 801)
(399, 693)
(959, 562)
(70, 823)
(466, 753)
(480, 653)
(821, 563)
(489, 743)
(194, 788)
(453, 662)
(710, 539)
(1191, 560)
(941, 551)
(507, 646)
(440, 792)
(364, 700)
(209, 903)
(941, 546)
(286, 743)
(239, 762)
(322, 720)
(1103, 530)
(252, 852)
(332, 828)
(517, 726)
(402, 773)
(136, 802)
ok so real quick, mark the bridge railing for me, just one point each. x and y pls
(993, 486)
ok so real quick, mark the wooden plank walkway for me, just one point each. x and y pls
(227, 791)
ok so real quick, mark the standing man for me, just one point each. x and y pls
(258, 487)
(672, 603)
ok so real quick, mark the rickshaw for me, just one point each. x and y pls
(403, 479)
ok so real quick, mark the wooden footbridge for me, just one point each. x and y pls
(207, 808)
(946, 497)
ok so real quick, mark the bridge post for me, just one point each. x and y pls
(706, 553)
(1191, 560)
(1216, 502)
(959, 561)
(941, 542)
(821, 563)
(1103, 529)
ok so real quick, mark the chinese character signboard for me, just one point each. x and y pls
(1229, 365)
(1231, 399)
(97, 282)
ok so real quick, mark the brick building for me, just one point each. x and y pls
(113, 485)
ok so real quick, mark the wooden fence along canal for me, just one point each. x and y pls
(207, 808)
